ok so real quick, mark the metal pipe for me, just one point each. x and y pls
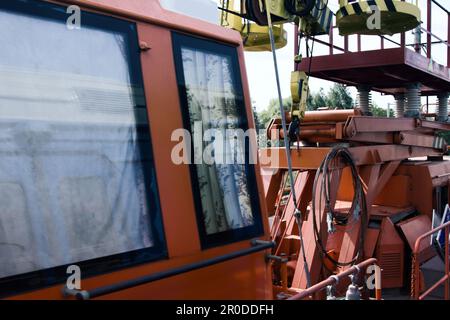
(443, 107)
(296, 46)
(378, 285)
(333, 280)
(440, 6)
(287, 143)
(412, 109)
(434, 287)
(447, 265)
(399, 105)
(417, 39)
(448, 40)
(329, 115)
(429, 29)
(258, 246)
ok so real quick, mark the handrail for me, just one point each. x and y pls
(257, 245)
(416, 262)
(428, 43)
(440, 6)
(334, 280)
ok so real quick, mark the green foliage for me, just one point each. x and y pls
(317, 100)
(256, 116)
(379, 112)
(272, 111)
(445, 135)
(337, 98)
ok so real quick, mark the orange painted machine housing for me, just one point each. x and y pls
(247, 277)
(411, 190)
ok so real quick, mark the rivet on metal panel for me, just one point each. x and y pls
(144, 46)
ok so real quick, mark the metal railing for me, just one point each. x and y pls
(426, 28)
(256, 246)
(417, 260)
(335, 279)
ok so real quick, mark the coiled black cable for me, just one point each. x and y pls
(358, 210)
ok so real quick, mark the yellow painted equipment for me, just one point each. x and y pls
(299, 93)
(314, 18)
(255, 37)
(318, 21)
(377, 17)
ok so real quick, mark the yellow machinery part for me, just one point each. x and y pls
(319, 21)
(299, 93)
(255, 38)
(277, 8)
(395, 16)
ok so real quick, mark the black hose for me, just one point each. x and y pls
(358, 210)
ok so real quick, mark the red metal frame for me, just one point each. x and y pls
(427, 30)
(313, 290)
(418, 259)
(387, 70)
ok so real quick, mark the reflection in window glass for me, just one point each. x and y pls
(76, 175)
(214, 101)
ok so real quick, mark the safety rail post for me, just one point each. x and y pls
(331, 35)
(448, 39)
(296, 46)
(429, 29)
(416, 261)
(346, 50)
(428, 44)
(334, 279)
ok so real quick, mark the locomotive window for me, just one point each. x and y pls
(212, 101)
(77, 180)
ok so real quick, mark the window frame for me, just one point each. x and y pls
(36, 280)
(180, 40)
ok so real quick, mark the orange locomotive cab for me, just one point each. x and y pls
(93, 110)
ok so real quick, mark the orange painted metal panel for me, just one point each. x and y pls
(396, 193)
(390, 254)
(160, 79)
(247, 277)
(370, 242)
(415, 227)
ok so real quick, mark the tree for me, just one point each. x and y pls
(272, 111)
(317, 100)
(380, 112)
(339, 97)
(258, 124)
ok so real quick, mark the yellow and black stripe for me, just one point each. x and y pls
(361, 7)
(396, 16)
(323, 16)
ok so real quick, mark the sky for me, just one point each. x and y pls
(261, 74)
